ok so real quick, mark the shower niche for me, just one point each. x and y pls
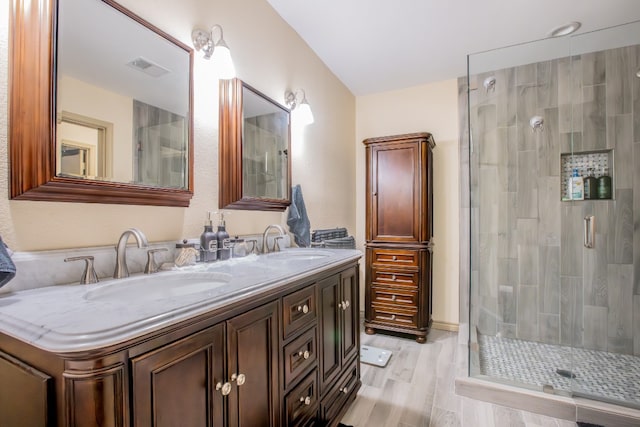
(595, 163)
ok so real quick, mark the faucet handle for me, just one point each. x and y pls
(152, 266)
(254, 246)
(89, 273)
(276, 246)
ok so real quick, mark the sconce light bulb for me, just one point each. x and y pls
(221, 57)
(303, 113)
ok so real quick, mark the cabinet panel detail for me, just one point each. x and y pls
(408, 279)
(301, 403)
(26, 404)
(298, 311)
(395, 257)
(95, 398)
(299, 355)
(252, 340)
(397, 296)
(173, 385)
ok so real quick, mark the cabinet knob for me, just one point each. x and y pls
(306, 400)
(304, 354)
(393, 317)
(303, 308)
(238, 378)
(394, 258)
(393, 277)
(344, 305)
(393, 298)
(225, 388)
(344, 390)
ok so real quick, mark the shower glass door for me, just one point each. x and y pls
(606, 152)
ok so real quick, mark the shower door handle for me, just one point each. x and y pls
(589, 231)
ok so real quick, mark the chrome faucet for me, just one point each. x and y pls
(265, 235)
(121, 251)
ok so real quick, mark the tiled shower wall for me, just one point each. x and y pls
(531, 276)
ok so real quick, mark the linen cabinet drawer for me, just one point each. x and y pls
(382, 277)
(299, 355)
(395, 257)
(299, 310)
(301, 403)
(394, 316)
(395, 296)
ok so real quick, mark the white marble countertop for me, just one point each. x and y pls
(74, 318)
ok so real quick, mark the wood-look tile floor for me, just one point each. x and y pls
(416, 389)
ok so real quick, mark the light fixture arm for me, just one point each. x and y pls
(292, 100)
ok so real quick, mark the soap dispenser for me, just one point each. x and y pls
(224, 248)
(590, 185)
(208, 241)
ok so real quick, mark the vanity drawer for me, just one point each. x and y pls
(396, 257)
(299, 355)
(335, 399)
(382, 277)
(299, 310)
(395, 296)
(394, 316)
(302, 402)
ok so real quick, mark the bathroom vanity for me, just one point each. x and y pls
(269, 340)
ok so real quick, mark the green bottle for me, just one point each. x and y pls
(590, 185)
(604, 185)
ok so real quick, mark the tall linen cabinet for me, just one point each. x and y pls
(399, 230)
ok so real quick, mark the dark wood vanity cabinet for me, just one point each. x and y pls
(186, 383)
(399, 229)
(285, 358)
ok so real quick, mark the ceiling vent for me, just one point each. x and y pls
(148, 67)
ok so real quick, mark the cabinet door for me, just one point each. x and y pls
(349, 328)
(330, 298)
(395, 182)
(252, 351)
(173, 385)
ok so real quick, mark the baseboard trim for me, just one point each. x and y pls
(445, 326)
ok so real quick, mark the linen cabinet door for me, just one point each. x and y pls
(394, 189)
(330, 309)
(174, 385)
(252, 368)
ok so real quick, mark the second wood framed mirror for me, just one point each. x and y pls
(254, 149)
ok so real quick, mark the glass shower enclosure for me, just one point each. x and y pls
(554, 176)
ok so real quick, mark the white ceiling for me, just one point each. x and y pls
(379, 45)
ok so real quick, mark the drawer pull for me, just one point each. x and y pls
(305, 400)
(303, 308)
(304, 354)
(393, 298)
(224, 389)
(239, 379)
(393, 277)
(344, 390)
(394, 258)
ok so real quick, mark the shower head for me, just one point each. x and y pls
(489, 84)
(536, 123)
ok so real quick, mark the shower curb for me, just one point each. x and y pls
(567, 408)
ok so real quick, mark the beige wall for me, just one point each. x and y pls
(427, 108)
(270, 56)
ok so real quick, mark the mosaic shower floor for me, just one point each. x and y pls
(607, 376)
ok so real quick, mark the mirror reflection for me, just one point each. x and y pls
(265, 147)
(122, 99)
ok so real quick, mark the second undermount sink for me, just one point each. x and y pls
(158, 286)
(301, 254)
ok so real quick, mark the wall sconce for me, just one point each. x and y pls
(300, 109)
(217, 51)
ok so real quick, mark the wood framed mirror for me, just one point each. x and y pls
(59, 50)
(254, 146)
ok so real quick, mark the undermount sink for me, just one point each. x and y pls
(299, 254)
(159, 286)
